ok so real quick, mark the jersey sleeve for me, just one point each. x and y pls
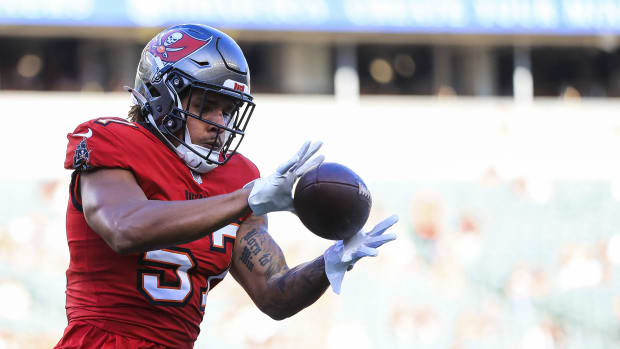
(247, 168)
(101, 143)
(250, 172)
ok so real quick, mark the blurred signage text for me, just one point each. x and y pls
(397, 16)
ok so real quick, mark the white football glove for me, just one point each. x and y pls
(274, 193)
(341, 256)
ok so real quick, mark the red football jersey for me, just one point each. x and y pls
(158, 295)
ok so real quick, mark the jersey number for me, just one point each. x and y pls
(169, 280)
(106, 122)
(163, 290)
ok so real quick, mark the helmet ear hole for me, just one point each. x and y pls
(152, 90)
(172, 124)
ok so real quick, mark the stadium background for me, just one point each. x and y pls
(490, 126)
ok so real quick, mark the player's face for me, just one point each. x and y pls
(215, 108)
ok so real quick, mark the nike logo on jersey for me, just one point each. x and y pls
(85, 135)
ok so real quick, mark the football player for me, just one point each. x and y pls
(162, 206)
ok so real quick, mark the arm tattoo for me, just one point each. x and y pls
(287, 290)
(304, 276)
(299, 287)
(260, 248)
(246, 259)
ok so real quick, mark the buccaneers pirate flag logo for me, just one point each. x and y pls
(175, 44)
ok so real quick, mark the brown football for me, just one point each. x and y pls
(332, 201)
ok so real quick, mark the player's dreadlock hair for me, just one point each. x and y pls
(135, 114)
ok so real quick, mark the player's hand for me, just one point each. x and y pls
(274, 193)
(341, 256)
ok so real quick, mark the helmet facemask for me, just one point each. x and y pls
(228, 135)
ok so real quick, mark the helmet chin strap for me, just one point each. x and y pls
(191, 159)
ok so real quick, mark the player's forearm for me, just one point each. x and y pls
(151, 224)
(295, 289)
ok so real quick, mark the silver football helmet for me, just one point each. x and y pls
(187, 62)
